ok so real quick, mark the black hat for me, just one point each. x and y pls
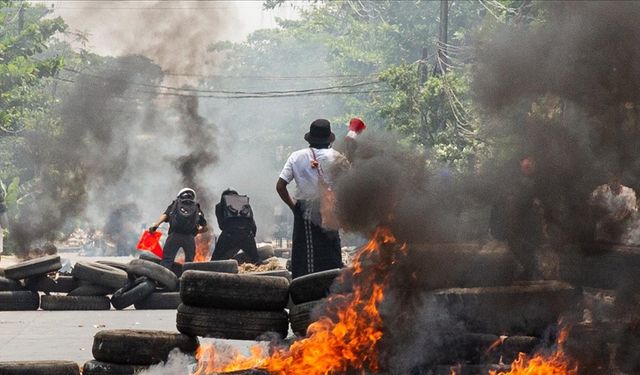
(320, 132)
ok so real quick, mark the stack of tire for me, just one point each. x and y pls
(307, 294)
(90, 284)
(13, 293)
(148, 286)
(232, 306)
(127, 352)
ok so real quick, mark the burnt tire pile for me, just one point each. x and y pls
(127, 352)
(232, 306)
(307, 294)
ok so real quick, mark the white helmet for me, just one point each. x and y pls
(187, 190)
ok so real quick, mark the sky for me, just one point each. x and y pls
(138, 27)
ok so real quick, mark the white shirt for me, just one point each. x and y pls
(298, 168)
(604, 197)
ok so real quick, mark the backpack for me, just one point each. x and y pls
(184, 217)
(236, 206)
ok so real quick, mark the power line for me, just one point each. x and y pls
(231, 92)
(246, 96)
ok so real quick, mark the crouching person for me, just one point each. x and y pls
(235, 219)
(186, 220)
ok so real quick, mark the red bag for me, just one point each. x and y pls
(151, 242)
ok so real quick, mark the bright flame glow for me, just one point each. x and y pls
(554, 364)
(343, 340)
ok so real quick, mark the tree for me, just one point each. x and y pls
(24, 33)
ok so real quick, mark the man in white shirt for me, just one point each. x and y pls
(613, 205)
(315, 247)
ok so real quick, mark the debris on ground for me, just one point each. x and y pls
(271, 264)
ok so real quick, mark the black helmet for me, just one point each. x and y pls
(229, 191)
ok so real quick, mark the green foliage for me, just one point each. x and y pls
(23, 35)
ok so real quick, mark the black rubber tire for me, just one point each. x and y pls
(230, 324)
(224, 266)
(276, 273)
(151, 257)
(234, 291)
(300, 316)
(313, 286)
(87, 289)
(18, 301)
(177, 269)
(139, 347)
(159, 301)
(133, 292)
(156, 272)
(39, 368)
(33, 267)
(106, 368)
(63, 303)
(100, 274)
(45, 284)
(118, 265)
(10, 285)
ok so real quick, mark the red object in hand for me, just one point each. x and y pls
(356, 125)
(150, 241)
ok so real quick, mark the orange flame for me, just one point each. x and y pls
(345, 339)
(554, 364)
(203, 246)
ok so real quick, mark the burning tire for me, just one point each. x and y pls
(39, 368)
(156, 272)
(9, 285)
(62, 284)
(301, 315)
(105, 368)
(100, 274)
(224, 266)
(132, 292)
(312, 287)
(33, 267)
(138, 347)
(526, 309)
(87, 289)
(159, 301)
(513, 345)
(230, 324)
(19, 300)
(56, 302)
(231, 291)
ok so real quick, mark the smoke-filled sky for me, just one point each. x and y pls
(175, 34)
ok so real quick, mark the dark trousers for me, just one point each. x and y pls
(314, 249)
(231, 241)
(174, 242)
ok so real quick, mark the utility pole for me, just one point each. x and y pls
(443, 38)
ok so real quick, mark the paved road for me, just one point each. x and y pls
(68, 335)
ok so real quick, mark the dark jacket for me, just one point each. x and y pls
(240, 223)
